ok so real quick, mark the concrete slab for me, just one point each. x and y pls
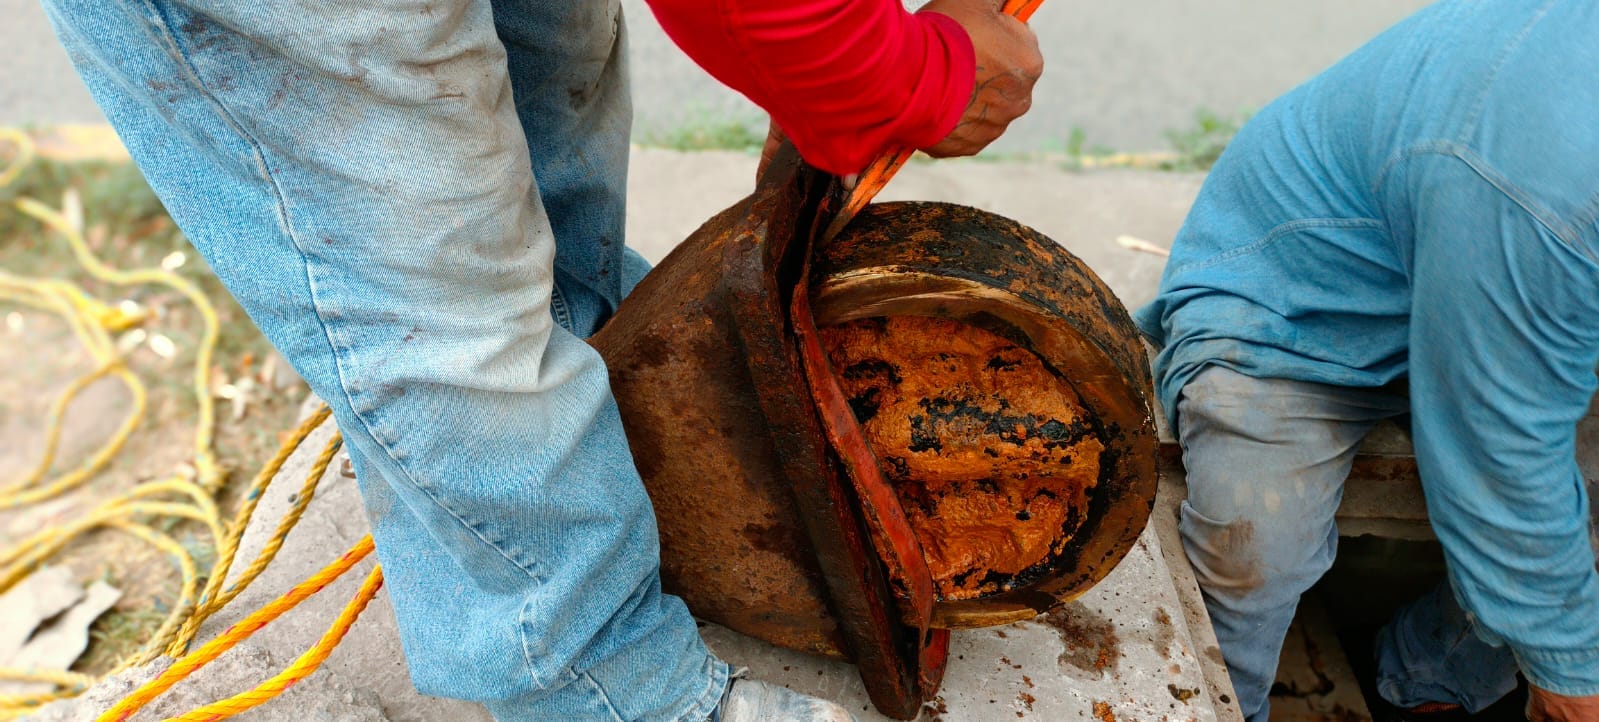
(1130, 649)
(1122, 651)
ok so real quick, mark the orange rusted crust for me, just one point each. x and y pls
(991, 452)
(775, 517)
(892, 534)
(959, 264)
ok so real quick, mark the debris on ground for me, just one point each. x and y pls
(57, 635)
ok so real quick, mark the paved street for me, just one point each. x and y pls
(1124, 72)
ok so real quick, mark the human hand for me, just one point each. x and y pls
(1546, 706)
(1008, 64)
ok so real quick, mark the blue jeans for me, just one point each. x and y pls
(421, 205)
(1267, 460)
(1427, 208)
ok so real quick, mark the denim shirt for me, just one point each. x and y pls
(1427, 207)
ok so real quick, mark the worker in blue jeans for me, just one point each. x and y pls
(420, 203)
(1425, 209)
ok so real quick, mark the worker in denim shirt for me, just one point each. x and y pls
(1425, 209)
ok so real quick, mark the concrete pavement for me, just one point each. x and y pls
(1124, 72)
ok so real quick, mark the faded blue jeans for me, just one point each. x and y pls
(1428, 209)
(421, 205)
(1266, 462)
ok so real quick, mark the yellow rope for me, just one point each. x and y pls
(24, 146)
(205, 463)
(92, 323)
(13, 706)
(51, 676)
(268, 552)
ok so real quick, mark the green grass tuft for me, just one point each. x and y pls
(707, 132)
(1199, 145)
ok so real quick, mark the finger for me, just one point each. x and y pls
(849, 181)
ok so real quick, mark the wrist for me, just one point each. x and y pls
(945, 88)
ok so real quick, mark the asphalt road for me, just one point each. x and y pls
(1124, 72)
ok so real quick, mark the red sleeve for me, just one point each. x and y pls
(845, 79)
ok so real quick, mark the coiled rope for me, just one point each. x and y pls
(177, 497)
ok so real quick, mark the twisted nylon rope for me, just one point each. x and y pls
(188, 664)
(92, 322)
(302, 667)
(212, 601)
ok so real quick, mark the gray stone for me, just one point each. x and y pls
(39, 596)
(57, 643)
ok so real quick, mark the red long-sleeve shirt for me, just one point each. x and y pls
(845, 79)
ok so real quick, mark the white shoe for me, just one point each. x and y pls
(751, 700)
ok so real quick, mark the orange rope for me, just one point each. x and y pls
(213, 599)
(302, 667)
(237, 633)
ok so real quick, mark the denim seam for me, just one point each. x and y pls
(1405, 154)
(164, 29)
(1481, 103)
(558, 309)
(1543, 216)
(1276, 234)
(700, 711)
(564, 675)
(599, 691)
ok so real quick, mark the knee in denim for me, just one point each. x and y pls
(1225, 555)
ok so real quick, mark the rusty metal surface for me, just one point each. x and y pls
(896, 544)
(758, 532)
(756, 276)
(774, 516)
(916, 648)
(946, 261)
(733, 544)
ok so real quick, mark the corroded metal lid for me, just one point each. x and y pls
(1005, 394)
(937, 419)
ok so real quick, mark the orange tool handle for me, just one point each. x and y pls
(1021, 9)
(876, 176)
